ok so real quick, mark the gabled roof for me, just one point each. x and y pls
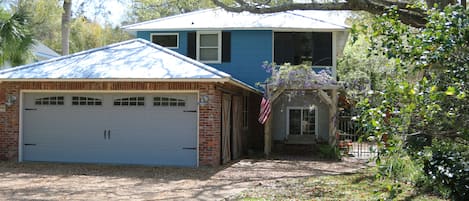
(133, 59)
(43, 52)
(218, 18)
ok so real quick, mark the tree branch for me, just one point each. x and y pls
(412, 16)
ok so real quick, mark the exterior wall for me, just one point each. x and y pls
(249, 49)
(279, 114)
(209, 114)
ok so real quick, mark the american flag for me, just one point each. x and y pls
(265, 110)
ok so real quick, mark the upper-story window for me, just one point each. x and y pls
(209, 47)
(313, 48)
(169, 40)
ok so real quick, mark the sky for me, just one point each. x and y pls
(117, 10)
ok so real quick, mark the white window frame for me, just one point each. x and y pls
(166, 34)
(219, 46)
(316, 126)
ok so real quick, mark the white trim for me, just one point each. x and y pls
(22, 92)
(316, 125)
(334, 55)
(218, 61)
(166, 34)
(244, 29)
(198, 127)
(273, 47)
(20, 129)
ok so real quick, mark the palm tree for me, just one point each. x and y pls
(16, 37)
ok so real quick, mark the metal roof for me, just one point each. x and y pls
(43, 52)
(218, 18)
(133, 59)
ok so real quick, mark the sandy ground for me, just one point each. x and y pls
(52, 181)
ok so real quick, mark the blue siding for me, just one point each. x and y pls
(249, 49)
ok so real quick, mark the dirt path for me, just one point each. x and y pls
(46, 181)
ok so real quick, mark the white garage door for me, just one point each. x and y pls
(150, 129)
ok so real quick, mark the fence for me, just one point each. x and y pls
(349, 139)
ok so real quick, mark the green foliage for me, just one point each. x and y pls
(16, 38)
(359, 70)
(87, 35)
(447, 168)
(326, 151)
(143, 10)
(424, 102)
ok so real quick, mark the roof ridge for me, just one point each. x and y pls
(170, 17)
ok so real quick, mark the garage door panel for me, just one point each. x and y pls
(102, 131)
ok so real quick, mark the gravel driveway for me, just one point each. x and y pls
(50, 181)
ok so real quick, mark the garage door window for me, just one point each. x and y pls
(168, 102)
(130, 101)
(53, 100)
(81, 100)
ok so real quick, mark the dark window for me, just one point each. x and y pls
(165, 40)
(81, 100)
(314, 48)
(130, 101)
(53, 100)
(168, 102)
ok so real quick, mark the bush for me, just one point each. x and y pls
(448, 169)
(329, 152)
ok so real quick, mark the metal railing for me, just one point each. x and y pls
(349, 140)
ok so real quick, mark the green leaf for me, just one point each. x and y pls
(451, 91)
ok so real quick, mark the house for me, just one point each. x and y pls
(40, 52)
(239, 43)
(183, 93)
(132, 102)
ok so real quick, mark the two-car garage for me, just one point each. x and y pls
(120, 128)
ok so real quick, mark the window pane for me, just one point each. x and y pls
(208, 40)
(312, 48)
(165, 40)
(209, 54)
(309, 122)
(295, 122)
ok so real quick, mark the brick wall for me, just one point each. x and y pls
(209, 114)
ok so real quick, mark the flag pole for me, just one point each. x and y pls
(267, 127)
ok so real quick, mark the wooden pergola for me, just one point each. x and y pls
(330, 100)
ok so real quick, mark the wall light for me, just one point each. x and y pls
(203, 100)
(11, 99)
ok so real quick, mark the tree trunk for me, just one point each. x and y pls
(66, 15)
